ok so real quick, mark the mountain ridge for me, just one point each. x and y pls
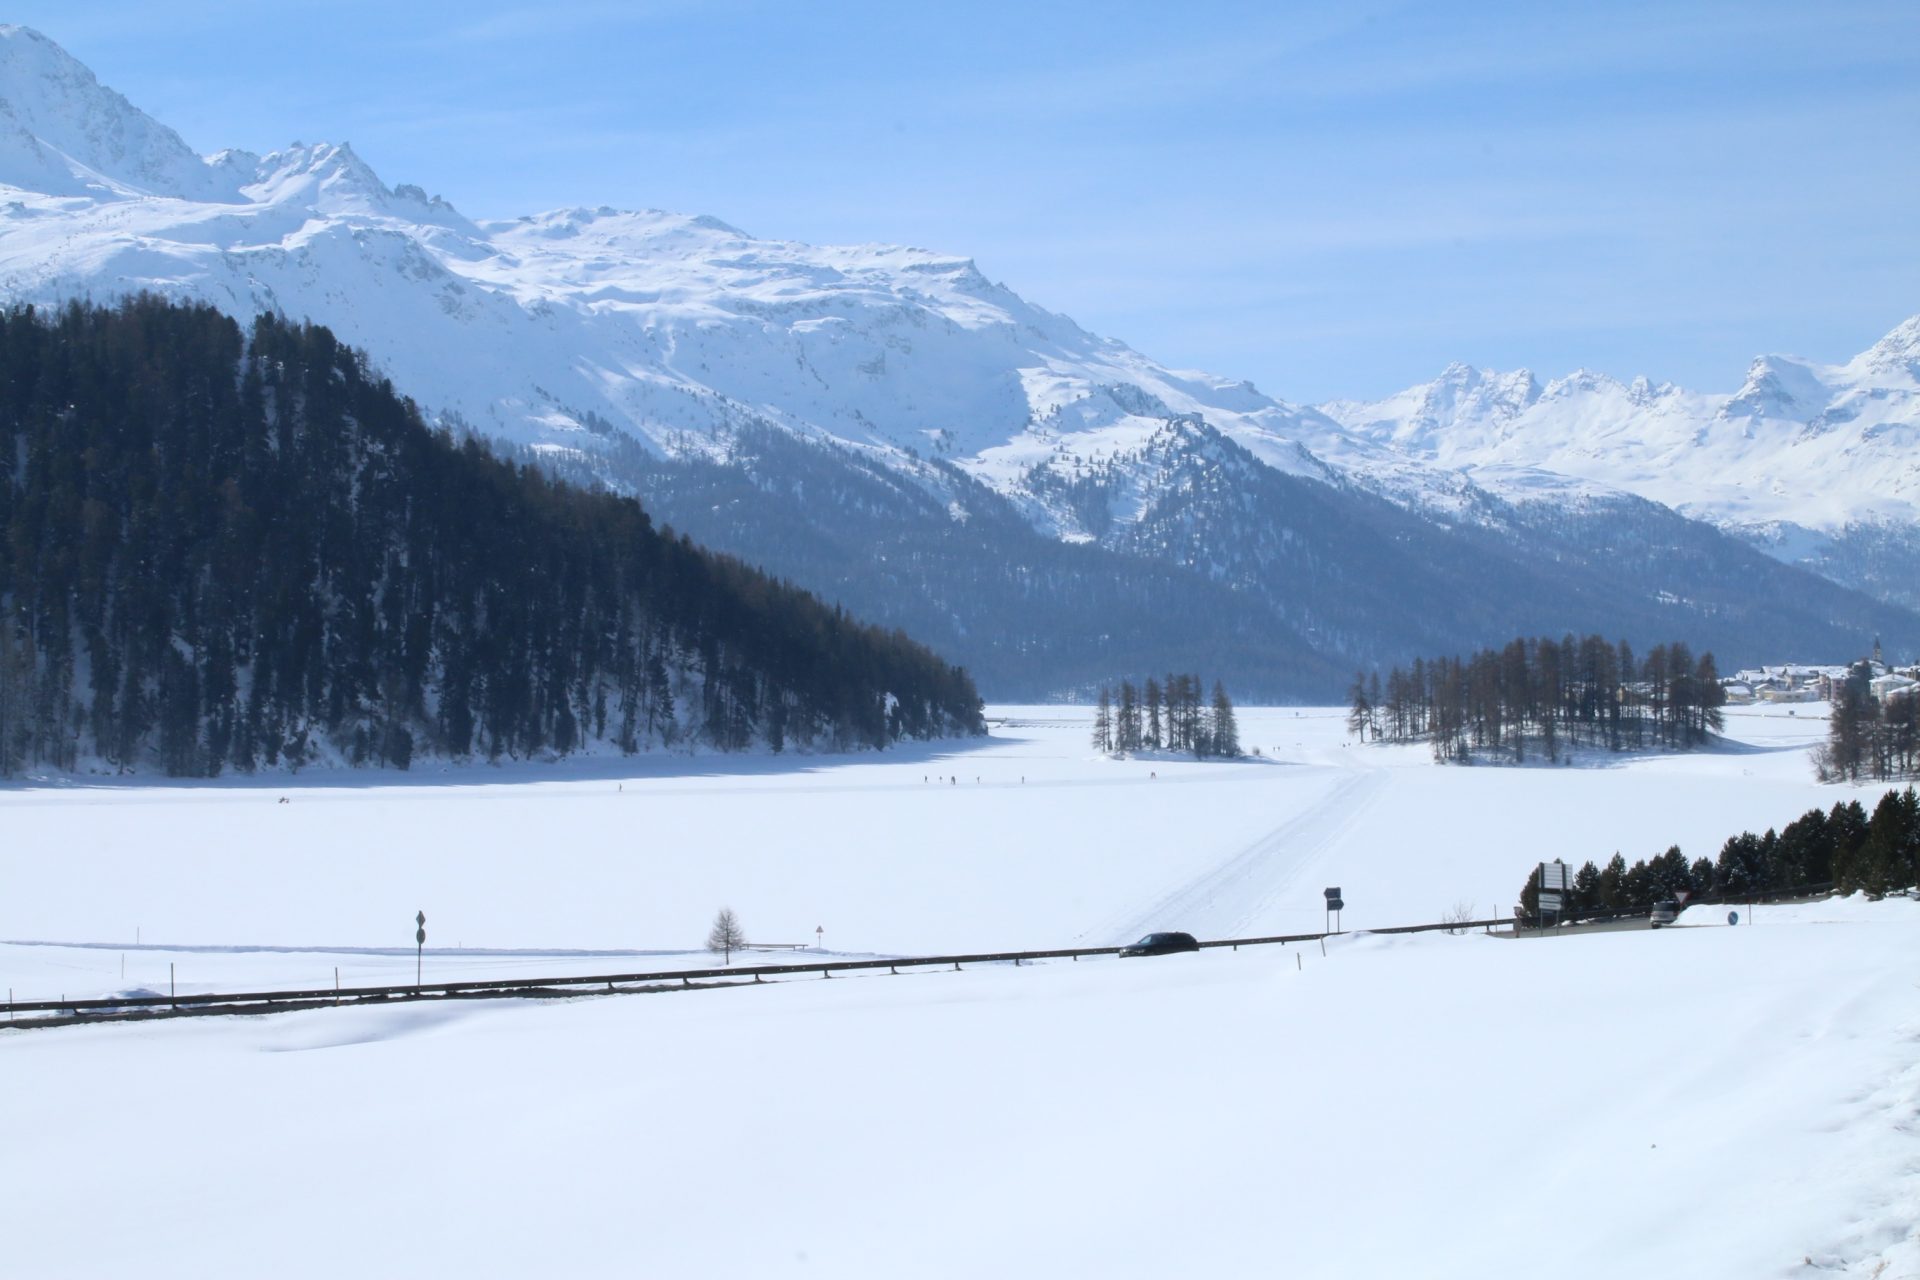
(631, 345)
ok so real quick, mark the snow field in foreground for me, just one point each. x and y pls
(1697, 1101)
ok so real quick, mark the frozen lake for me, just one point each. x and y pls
(1026, 839)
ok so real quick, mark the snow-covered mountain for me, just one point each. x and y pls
(974, 436)
(546, 329)
(1811, 461)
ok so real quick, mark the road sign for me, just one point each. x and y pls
(1336, 904)
(1333, 894)
(1551, 902)
(1556, 875)
(1733, 917)
(419, 944)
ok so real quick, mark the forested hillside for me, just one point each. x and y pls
(955, 564)
(232, 550)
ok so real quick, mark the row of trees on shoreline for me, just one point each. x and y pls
(1842, 847)
(1545, 693)
(1166, 716)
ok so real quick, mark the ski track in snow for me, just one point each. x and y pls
(1238, 891)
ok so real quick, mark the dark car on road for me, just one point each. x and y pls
(1161, 944)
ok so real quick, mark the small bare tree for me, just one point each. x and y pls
(1457, 915)
(726, 936)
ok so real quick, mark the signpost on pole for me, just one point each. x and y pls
(419, 945)
(1335, 903)
(1556, 880)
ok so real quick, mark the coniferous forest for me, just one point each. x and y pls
(1543, 694)
(240, 550)
(1842, 848)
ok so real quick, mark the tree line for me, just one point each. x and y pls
(1869, 737)
(1842, 847)
(1166, 715)
(241, 550)
(1544, 694)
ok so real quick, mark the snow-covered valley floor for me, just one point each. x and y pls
(1702, 1101)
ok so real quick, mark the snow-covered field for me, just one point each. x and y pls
(1705, 1101)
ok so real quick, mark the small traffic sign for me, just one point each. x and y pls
(1333, 894)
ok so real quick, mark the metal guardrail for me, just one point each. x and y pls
(117, 1007)
(209, 1002)
(1714, 898)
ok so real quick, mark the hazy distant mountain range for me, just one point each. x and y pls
(1818, 463)
(1049, 507)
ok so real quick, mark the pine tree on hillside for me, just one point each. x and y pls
(1153, 713)
(1889, 858)
(1226, 730)
(1613, 884)
(1360, 708)
(1846, 833)
(1127, 718)
(1173, 695)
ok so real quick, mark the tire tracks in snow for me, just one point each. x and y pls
(1241, 889)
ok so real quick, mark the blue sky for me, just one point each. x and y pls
(1329, 199)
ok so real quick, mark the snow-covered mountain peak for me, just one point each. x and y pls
(1423, 419)
(1895, 357)
(1644, 391)
(1583, 382)
(1780, 387)
(1461, 383)
(66, 133)
(607, 224)
(1815, 445)
(331, 179)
